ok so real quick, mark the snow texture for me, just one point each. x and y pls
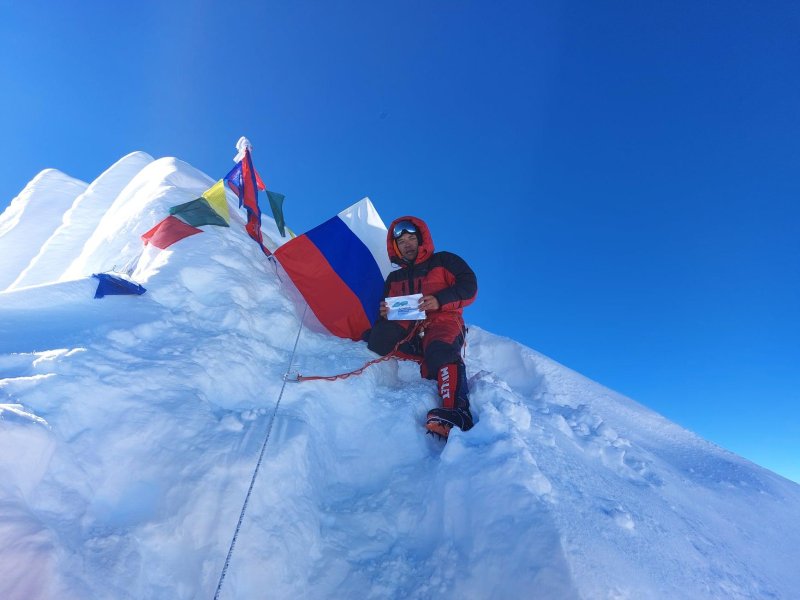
(32, 217)
(130, 427)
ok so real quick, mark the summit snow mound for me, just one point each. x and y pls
(130, 428)
(145, 200)
(32, 217)
(79, 222)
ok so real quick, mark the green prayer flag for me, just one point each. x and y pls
(198, 212)
(276, 203)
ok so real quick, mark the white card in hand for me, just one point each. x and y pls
(405, 308)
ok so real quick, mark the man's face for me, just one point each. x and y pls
(408, 246)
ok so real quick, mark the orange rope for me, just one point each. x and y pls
(360, 370)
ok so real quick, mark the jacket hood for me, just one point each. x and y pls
(425, 246)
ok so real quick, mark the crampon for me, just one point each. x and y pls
(438, 428)
(441, 420)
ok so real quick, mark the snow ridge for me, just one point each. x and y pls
(130, 426)
(80, 221)
(32, 217)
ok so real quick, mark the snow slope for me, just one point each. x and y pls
(80, 221)
(31, 219)
(130, 428)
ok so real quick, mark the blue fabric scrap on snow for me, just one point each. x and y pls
(112, 285)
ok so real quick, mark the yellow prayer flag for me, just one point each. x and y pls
(216, 198)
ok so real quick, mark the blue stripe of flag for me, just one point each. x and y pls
(352, 261)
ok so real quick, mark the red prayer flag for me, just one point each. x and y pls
(245, 183)
(169, 231)
(250, 198)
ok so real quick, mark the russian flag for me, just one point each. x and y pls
(340, 267)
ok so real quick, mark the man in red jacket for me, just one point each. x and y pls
(447, 285)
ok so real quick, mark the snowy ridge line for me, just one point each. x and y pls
(32, 217)
(130, 425)
(80, 221)
(260, 459)
(19, 410)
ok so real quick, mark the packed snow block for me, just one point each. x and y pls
(114, 285)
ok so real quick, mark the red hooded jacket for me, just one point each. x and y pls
(441, 274)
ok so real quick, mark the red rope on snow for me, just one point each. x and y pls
(360, 370)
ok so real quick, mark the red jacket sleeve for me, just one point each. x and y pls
(462, 293)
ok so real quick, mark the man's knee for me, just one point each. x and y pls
(385, 336)
(438, 354)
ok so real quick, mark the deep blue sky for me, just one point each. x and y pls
(623, 176)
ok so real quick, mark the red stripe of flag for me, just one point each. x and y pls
(319, 284)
